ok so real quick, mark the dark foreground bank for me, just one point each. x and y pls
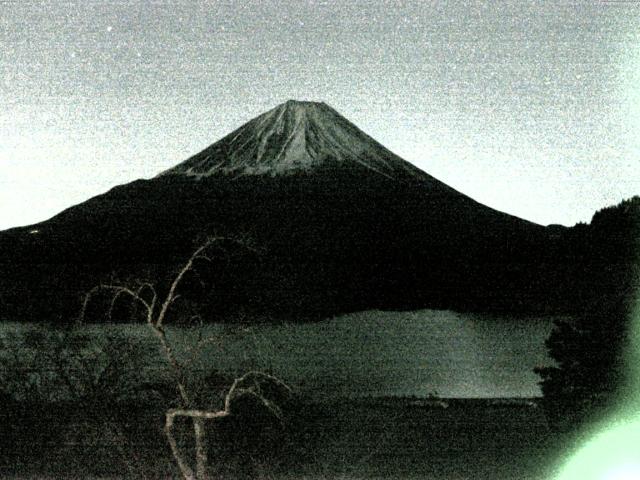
(390, 438)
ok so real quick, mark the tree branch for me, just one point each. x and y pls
(185, 469)
(178, 279)
(119, 290)
(155, 320)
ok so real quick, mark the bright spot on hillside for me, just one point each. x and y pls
(611, 455)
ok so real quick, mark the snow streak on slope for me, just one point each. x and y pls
(293, 137)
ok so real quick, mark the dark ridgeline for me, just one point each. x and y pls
(342, 224)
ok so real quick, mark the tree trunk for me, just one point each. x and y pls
(201, 448)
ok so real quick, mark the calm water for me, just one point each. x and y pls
(392, 353)
(378, 353)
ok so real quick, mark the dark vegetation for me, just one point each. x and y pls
(591, 369)
(78, 404)
(69, 398)
(591, 351)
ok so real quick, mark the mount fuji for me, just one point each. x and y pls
(342, 224)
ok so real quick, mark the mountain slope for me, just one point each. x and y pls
(342, 224)
(295, 137)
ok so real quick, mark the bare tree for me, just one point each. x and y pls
(155, 311)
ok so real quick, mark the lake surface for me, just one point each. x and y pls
(378, 353)
(400, 353)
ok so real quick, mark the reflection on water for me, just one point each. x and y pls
(396, 353)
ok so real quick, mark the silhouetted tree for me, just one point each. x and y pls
(590, 368)
(254, 388)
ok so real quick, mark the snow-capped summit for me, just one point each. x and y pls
(295, 136)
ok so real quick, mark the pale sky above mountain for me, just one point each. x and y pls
(531, 107)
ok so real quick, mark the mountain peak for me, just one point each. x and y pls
(295, 136)
(301, 103)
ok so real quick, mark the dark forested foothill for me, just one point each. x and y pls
(325, 247)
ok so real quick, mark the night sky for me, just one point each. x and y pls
(532, 108)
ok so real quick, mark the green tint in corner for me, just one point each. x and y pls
(613, 451)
